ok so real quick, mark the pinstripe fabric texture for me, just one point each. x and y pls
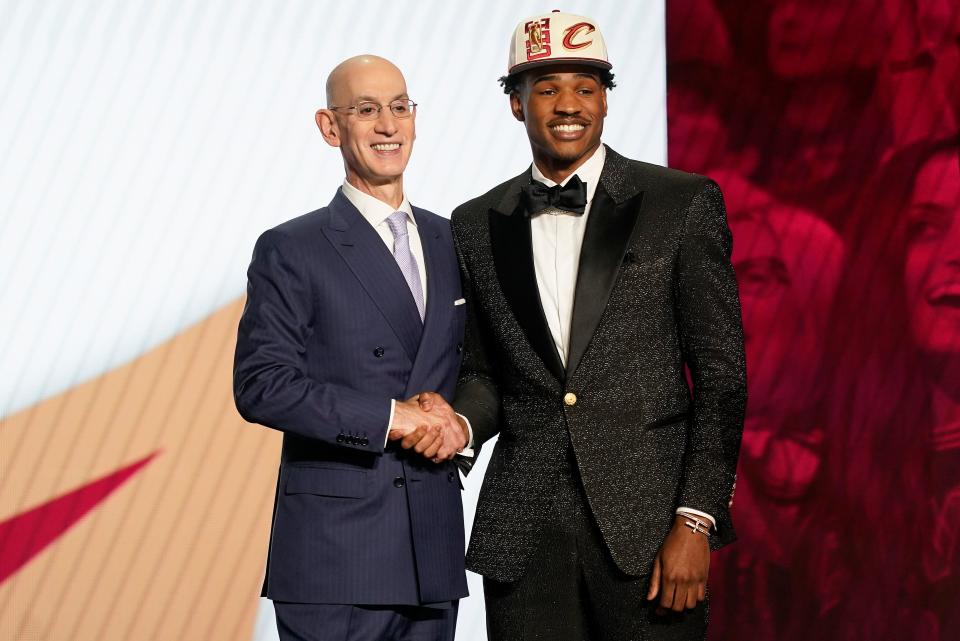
(328, 337)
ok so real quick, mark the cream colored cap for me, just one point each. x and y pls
(557, 37)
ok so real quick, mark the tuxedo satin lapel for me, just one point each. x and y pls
(371, 262)
(512, 247)
(609, 229)
(439, 302)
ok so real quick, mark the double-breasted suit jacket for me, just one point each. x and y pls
(329, 335)
(655, 296)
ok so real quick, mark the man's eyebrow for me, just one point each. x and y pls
(399, 96)
(553, 76)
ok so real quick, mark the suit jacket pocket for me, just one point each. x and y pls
(646, 263)
(667, 420)
(322, 481)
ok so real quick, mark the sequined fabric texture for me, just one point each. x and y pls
(644, 444)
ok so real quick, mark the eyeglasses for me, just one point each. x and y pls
(368, 110)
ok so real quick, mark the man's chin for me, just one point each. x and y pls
(566, 154)
(384, 176)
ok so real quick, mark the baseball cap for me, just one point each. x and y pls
(556, 37)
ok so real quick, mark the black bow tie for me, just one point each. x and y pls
(571, 197)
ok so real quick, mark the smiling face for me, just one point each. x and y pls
(788, 265)
(375, 152)
(932, 267)
(562, 108)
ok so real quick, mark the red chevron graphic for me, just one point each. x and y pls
(25, 535)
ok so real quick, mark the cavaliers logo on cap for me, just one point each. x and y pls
(577, 40)
(538, 38)
(575, 30)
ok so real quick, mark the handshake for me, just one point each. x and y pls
(428, 425)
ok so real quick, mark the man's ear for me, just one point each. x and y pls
(327, 123)
(604, 102)
(516, 106)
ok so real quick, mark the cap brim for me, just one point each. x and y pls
(589, 62)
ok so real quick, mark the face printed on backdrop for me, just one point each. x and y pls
(932, 268)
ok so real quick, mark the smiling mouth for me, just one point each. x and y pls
(945, 296)
(567, 130)
(386, 146)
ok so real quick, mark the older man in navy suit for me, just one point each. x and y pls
(350, 310)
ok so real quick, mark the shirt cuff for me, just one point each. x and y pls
(468, 450)
(393, 407)
(692, 512)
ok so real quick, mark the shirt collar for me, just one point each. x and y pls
(375, 211)
(589, 172)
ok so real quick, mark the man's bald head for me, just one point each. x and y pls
(375, 144)
(356, 71)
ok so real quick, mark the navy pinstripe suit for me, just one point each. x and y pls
(329, 335)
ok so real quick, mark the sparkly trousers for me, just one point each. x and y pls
(573, 591)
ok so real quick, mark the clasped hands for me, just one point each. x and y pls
(428, 425)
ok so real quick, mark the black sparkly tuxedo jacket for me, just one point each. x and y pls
(655, 294)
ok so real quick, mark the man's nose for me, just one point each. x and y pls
(567, 104)
(386, 122)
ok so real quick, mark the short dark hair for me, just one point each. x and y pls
(511, 82)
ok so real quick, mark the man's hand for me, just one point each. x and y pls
(680, 569)
(455, 433)
(416, 429)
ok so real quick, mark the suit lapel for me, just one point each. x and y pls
(439, 302)
(512, 248)
(605, 241)
(375, 267)
(609, 229)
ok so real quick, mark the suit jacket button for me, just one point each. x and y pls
(399, 482)
(341, 438)
(364, 441)
(570, 399)
(459, 347)
(378, 352)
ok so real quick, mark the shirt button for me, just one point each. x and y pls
(399, 482)
(378, 352)
(570, 398)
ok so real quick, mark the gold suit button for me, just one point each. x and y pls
(570, 398)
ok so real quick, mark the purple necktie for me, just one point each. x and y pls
(404, 257)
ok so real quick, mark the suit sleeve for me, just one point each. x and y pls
(711, 335)
(271, 383)
(477, 397)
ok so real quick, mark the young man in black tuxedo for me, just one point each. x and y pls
(593, 284)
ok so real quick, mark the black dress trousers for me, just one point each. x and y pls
(573, 591)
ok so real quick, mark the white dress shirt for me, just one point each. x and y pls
(376, 212)
(557, 237)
